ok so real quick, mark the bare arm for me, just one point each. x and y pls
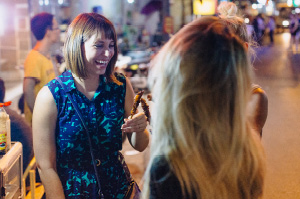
(257, 111)
(29, 95)
(135, 128)
(44, 123)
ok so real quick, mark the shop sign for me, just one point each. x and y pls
(206, 7)
(168, 25)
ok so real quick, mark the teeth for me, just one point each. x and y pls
(102, 62)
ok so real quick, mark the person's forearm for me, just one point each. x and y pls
(140, 140)
(30, 99)
(52, 184)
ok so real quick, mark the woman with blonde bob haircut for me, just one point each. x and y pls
(202, 146)
(78, 149)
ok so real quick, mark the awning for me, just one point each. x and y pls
(151, 7)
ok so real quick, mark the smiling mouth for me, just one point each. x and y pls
(101, 62)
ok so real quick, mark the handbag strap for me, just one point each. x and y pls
(87, 132)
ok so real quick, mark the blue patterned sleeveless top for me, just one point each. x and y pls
(103, 115)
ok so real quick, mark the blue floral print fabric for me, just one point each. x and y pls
(103, 115)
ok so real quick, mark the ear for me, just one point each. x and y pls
(246, 45)
(47, 32)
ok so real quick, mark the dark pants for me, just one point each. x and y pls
(271, 34)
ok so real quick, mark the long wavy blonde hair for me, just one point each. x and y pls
(201, 83)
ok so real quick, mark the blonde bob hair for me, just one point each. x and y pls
(83, 27)
(201, 83)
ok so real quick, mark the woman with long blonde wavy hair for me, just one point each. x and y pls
(202, 146)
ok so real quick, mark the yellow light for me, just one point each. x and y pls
(134, 67)
(207, 7)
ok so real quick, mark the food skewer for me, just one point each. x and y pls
(145, 107)
(149, 97)
(136, 103)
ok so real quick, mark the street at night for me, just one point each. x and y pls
(277, 70)
(76, 85)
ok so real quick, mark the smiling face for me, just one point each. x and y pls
(90, 47)
(97, 52)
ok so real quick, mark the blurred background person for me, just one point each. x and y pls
(294, 28)
(259, 28)
(271, 25)
(39, 67)
(202, 145)
(20, 129)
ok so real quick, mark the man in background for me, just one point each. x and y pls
(39, 67)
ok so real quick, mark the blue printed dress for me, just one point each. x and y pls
(103, 116)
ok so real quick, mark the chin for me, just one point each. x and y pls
(100, 72)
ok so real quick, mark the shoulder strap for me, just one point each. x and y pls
(73, 103)
(87, 132)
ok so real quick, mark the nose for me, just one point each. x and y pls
(106, 53)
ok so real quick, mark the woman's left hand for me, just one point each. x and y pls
(138, 123)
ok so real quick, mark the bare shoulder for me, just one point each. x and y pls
(259, 96)
(44, 112)
(45, 95)
(45, 101)
(257, 110)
